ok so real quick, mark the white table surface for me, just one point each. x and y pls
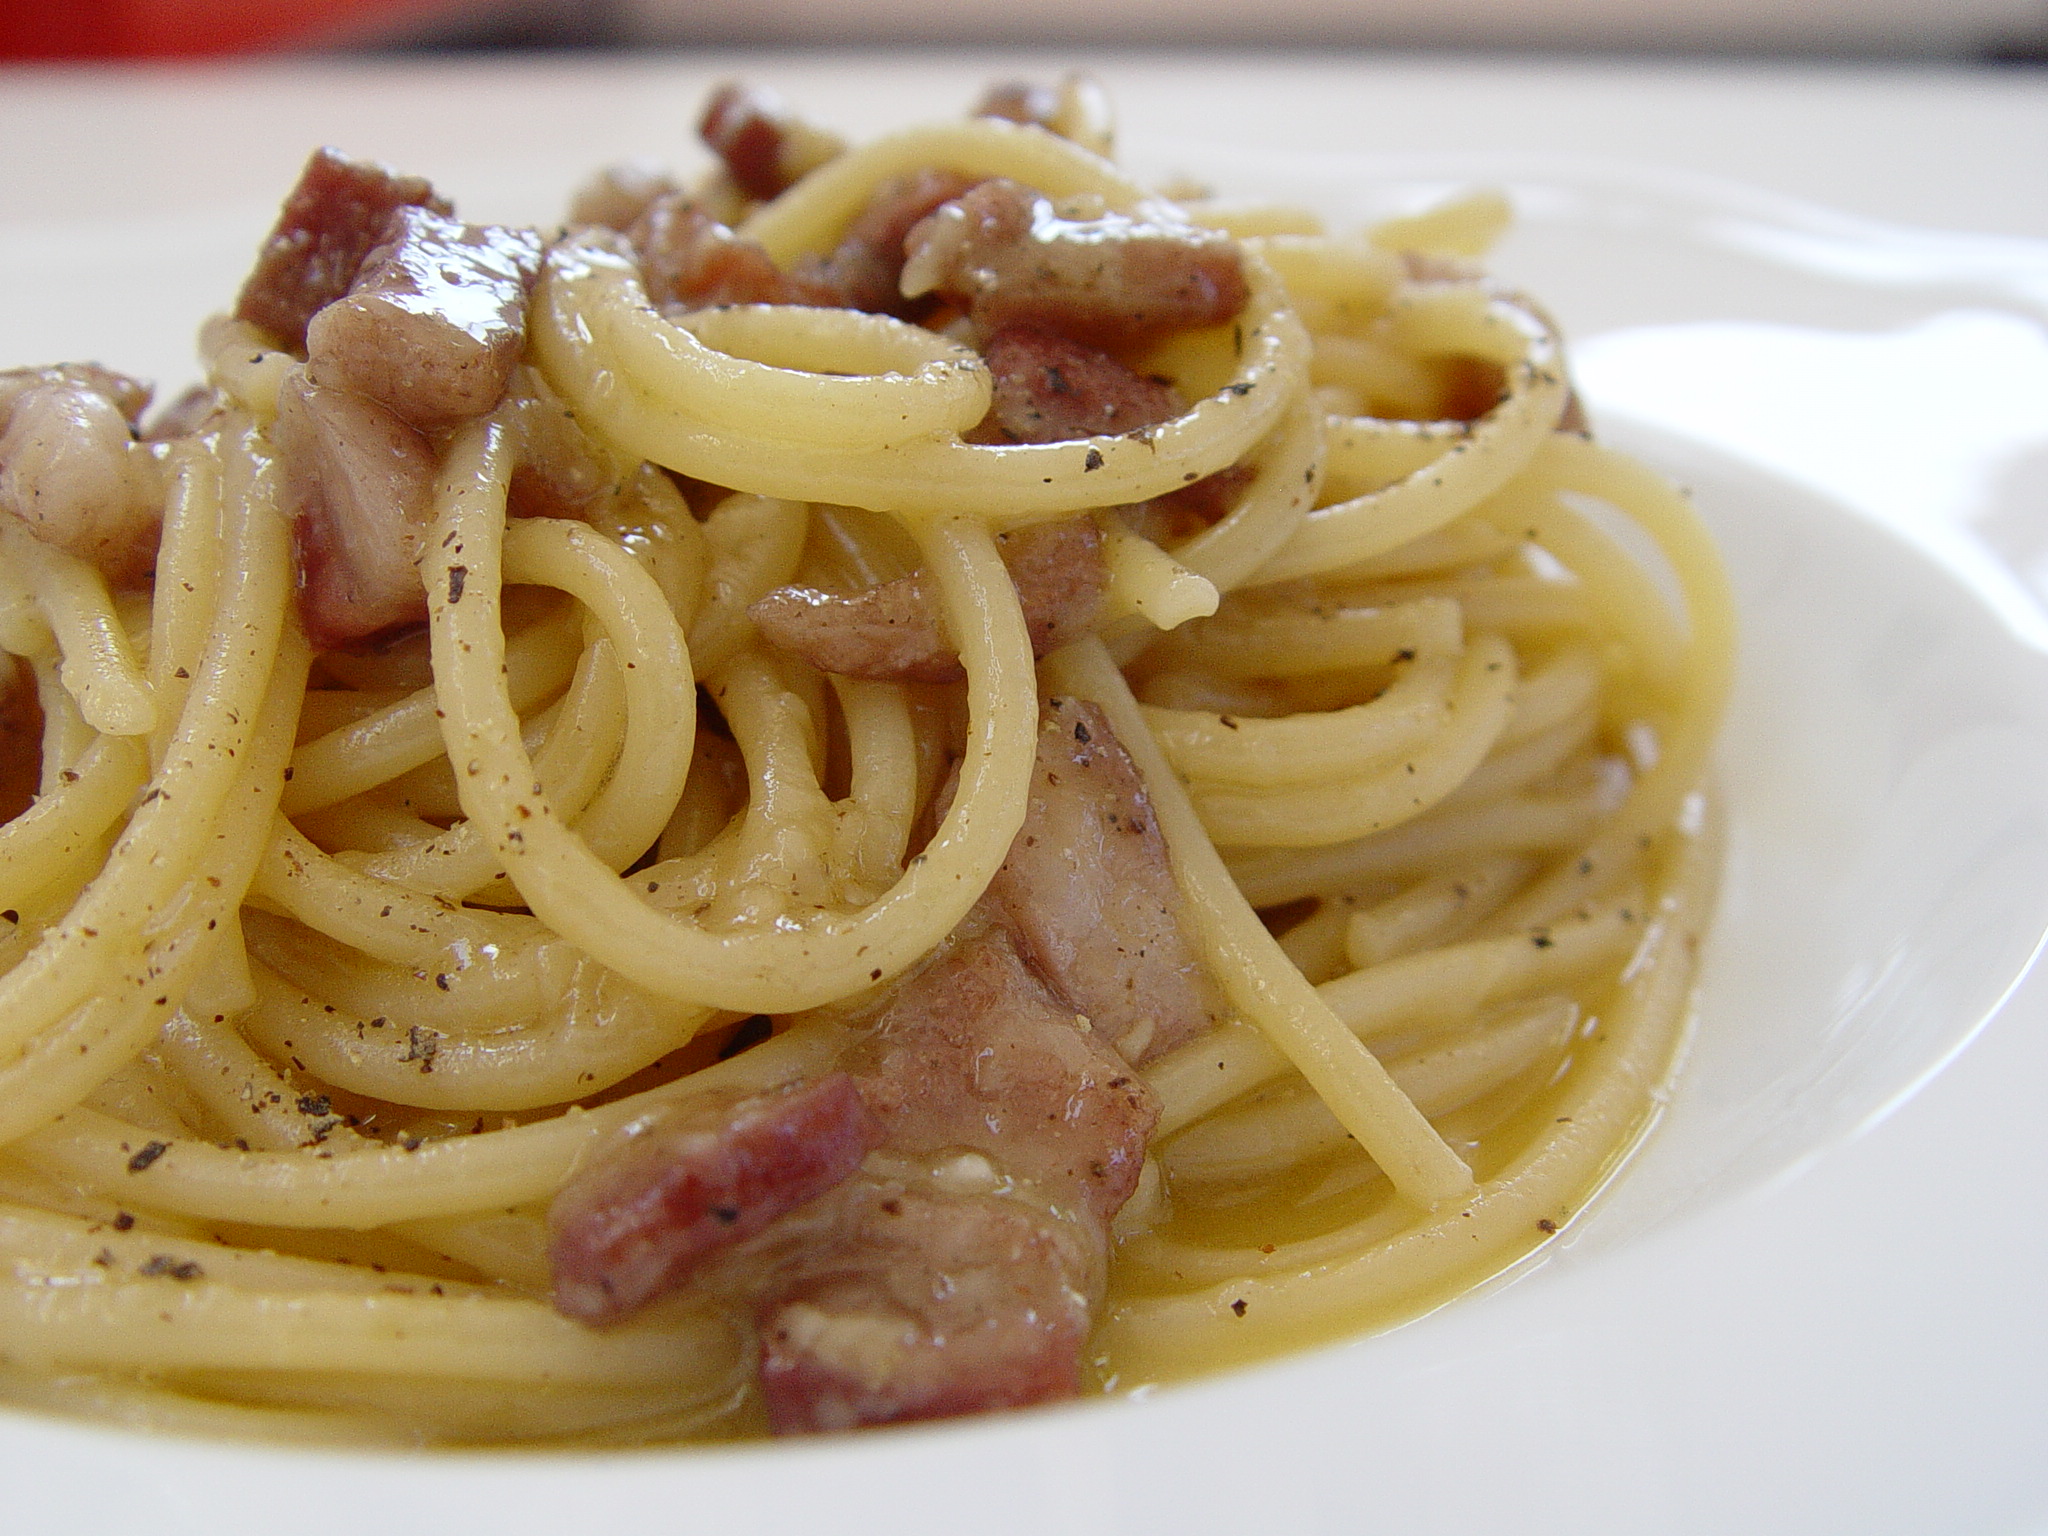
(1958, 149)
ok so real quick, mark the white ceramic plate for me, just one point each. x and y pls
(1779, 1320)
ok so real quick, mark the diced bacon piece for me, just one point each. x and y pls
(893, 631)
(688, 260)
(975, 1053)
(642, 1219)
(1005, 255)
(1020, 101)
(359, 483)
(1090, 893)
(328, 224)
(865, 269)
(128, 396)
(1060, 575)
(975, 1290)
(958, 1270)
(183, 416)
(71, 469)
(1049, 389)
(1181, 514)
(434, 322)
(617, 195)
(561, 472)
(765, 150)
(940, 1306)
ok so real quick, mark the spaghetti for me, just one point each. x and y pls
(328, 965)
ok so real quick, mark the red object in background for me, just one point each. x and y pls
(145, 29)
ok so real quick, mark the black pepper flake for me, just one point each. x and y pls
(162, 1264)
(1239, 1306)
(1541, 940)
(1093, 461)
(421, 1044)
(150, 1152)
(123, 1221)
(1545, 1224)
(457, 575)
(727, 1214)
(314, 1104)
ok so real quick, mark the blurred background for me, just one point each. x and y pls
(2011, 31)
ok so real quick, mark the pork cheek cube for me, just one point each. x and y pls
(865, 269)
(888, 633)
(1089, 892)
(765, 149)
(1049, 389)
(746, 129)
(70, 470)
(689, 260)
(128, 396)
(359, 485)
(333, 217)
(434, 322)
(1004, 254)
(619, 194)
(1179, 514)
(976, 1054)
(1019, 101)
(635, 1224)
(892, 632)
(943, 1306)
(976, 1292)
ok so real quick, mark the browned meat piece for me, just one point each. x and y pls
(765, 149)
(744, 129)
(434, 322)
(1002, 253)
(706, 1178)
(335, 214)
(71, 470)
(183, 416)
(975, 1053)
(892, 631)
(938, 1306)
(128, 396)
(972, 1289)
(958, 1269)
(1052, 390)
(688, 260)
(865, 269)
(1090, 894)
(1181, 514)
(1019, 101)
(618, 195)
(561, 472)
(359, 483)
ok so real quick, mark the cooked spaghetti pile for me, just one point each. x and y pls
(907, 781)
